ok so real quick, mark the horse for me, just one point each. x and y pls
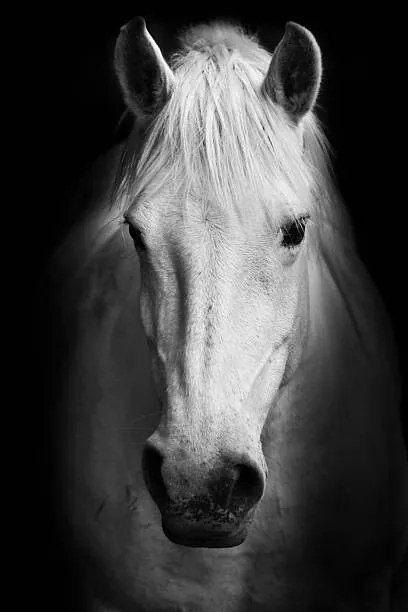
(228, 435)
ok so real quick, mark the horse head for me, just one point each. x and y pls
(219, 195)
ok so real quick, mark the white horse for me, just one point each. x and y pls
(261, 467)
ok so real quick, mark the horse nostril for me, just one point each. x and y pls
(248, 485)
(152, 461)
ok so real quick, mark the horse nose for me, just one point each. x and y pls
(241, 485)
(152, 461)
(235, 485)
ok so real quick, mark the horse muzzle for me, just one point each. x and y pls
(212, 509)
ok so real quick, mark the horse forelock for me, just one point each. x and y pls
(219, 138)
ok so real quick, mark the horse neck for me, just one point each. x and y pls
(347, 319)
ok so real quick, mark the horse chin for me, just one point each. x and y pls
(204, 538)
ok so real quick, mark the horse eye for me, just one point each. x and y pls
(294, 232)
(136, 236)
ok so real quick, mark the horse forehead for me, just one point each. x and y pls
(185, 216)
(213, 231)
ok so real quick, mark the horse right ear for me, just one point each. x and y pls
(144, 75)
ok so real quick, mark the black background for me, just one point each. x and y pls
(74, 105)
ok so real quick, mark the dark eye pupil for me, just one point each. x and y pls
(293, 233)
(136, 236)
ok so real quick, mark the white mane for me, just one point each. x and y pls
(220, 139)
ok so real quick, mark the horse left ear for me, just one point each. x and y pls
(294, 75)
(144, 75)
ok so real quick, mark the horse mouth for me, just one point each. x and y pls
(199, 522)
(205, 539)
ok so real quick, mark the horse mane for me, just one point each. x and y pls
(218, 138)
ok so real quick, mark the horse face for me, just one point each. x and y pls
(221, 304)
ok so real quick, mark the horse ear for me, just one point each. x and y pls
(145, 77)
(295, 72)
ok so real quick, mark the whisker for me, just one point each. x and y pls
(145, 416)
(137, 443)
(133, 429)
